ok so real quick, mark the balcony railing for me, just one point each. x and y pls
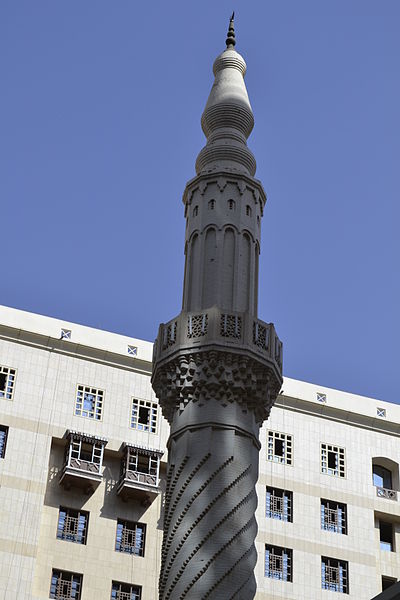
(83, 461)
(84, 465)
(213, 326)
(382, 492)
(138, 477)
(140, 467)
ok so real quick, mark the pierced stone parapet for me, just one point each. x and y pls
(169, 335)
(213, 327)
(197, 325)
(382, 492)
(231, 326)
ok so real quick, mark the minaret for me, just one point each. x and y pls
(217, 368)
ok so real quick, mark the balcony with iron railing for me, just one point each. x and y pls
(213, 327)
(140, 470)
(83, 461)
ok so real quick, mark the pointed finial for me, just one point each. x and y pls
(230, 40)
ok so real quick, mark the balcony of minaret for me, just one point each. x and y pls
(83, 461)
(140, 474)
(214, 327)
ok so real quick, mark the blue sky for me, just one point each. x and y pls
(100, 128)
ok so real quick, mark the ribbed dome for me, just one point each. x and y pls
(227, 120)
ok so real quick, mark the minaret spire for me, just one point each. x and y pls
(217, 368)
(231, 40)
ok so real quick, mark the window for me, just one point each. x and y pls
(334, 575)
(130, 537)
(7, 381)
(144, 415)
(125, 591)
(332, 460)
(141, 462)
(248, 210)
(211, 205)
(279, 504)
(381, 477)
(279, 447)
(387, 582)
(231, 204)
(3, 440)
(278, 563)
(386, 536)
(72, 525)
(195, 211)
(333, 516)
(89, 402)
(65, 585)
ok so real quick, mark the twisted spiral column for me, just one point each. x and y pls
(209, 525)
(215, 402)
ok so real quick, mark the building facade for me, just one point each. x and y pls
(83, 471)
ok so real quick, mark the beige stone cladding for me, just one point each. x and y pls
(312, 429)
(48, 373)
(341, 421)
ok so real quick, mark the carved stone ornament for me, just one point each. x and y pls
(220, 375)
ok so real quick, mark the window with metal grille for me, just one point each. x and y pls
(125, 591)
(333, 516)
(7, 382)
(89, 402)
(279, 447)
(3, 440)
(332, 460)
(279, 504)
(144, 415)
(335, 575)
(278, 563)
(72, 525)
(130, 537)
(65, 585)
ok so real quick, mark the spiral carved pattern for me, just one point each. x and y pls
(209, 525)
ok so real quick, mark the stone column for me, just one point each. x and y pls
(217, 367)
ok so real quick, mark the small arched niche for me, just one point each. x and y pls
(385, 473)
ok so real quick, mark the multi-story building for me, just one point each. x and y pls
(82, 473)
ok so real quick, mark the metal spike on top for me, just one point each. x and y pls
(230, 40)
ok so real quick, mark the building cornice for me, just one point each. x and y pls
(333, 413)
(74, 349)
